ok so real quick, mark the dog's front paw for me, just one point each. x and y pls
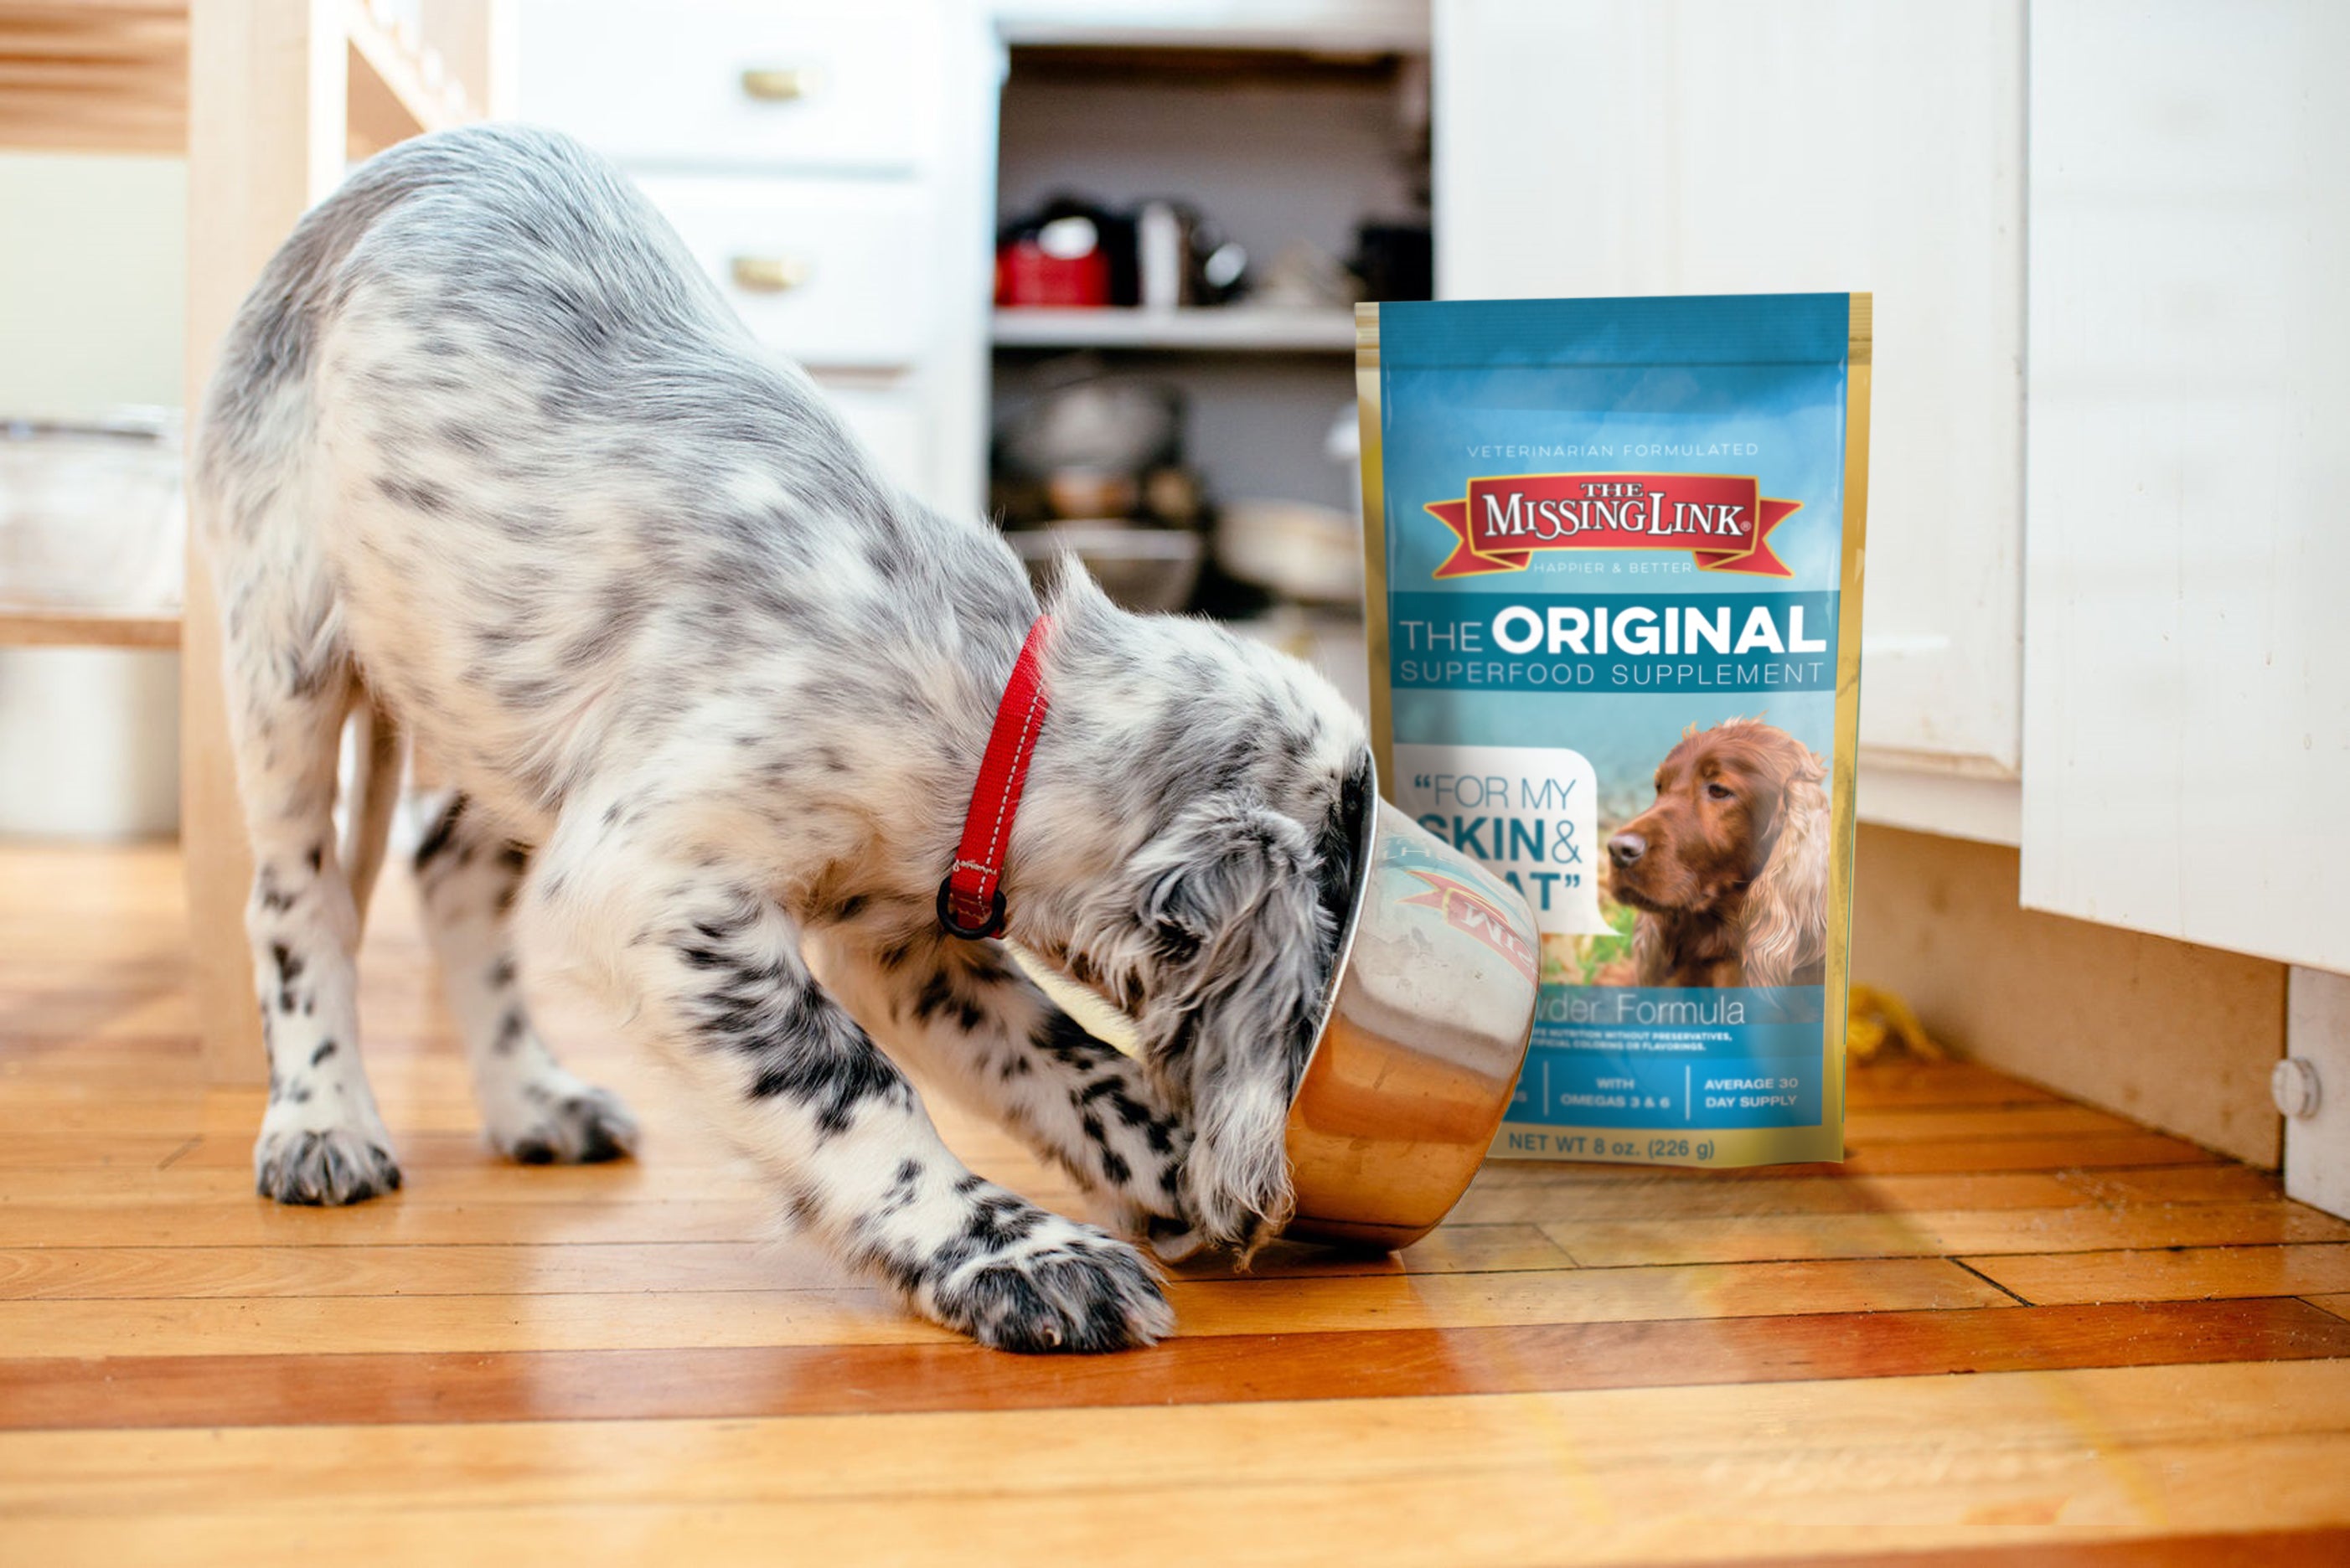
(1142, 1206)
(1240, 1223)
(584, 1127)
(1151, 1210)
(1175, 1241)
(332, 1166)
(1074, 1290)
(1131, 1172)
(1236, 1182)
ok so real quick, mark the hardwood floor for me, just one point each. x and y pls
(2009, 1330)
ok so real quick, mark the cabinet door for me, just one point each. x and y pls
(838, 273)
(747, 84)
(1716, 147)
(2185, 707)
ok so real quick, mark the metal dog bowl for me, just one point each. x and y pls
(1430, 1008)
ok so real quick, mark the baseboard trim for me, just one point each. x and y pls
(1989, 811)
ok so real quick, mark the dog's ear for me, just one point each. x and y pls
(1235, 948)
(1786, 922)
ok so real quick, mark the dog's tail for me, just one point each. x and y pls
(376, 769)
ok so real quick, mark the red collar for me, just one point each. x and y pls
(971, 898)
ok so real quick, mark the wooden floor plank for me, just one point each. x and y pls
(147, 1273)
(2034, 1153)
(2087, 1151)
(1896, 1084)
(2318, 1548)
(46, 1152)
(29, 1251)
(773, 1380)
(1263, 1526)
(1902, 1419)
(453, 1169)
(840, 1315)
(1565, 1199)
(1931, 1234)
(2185, 1274)
(542, 1268)
(473, 1178)
(397, 1221)
(2188, 1184)
(1720, 1472)
(480, 1179)
(2048, 1118)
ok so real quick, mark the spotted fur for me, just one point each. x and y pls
(487, 454)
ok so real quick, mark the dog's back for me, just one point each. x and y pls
(484, 432)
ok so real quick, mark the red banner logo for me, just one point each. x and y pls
(1722, 520)
(1468, 911)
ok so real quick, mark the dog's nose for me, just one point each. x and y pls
(1627, 848)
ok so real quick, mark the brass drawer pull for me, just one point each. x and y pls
(769, 274)
(781, 84)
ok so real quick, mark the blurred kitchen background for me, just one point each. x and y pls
(1087, 266)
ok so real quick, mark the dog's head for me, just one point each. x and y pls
(1227, 787)
(1738, 830)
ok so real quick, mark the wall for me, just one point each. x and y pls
(2178, 1036)
(93, 262)
(94, 270)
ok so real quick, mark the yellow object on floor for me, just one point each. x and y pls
(1881, 1022)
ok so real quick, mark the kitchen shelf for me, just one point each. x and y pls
(26, 627)
(1240, 328)
(1311, 26)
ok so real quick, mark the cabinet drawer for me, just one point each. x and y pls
(834, 273)
(748, 83)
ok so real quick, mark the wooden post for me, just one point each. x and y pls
(267, 84)
(475, 39)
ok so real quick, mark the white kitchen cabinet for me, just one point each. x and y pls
(840, 273)
(1586, 148)
(783, 83)
(2187, 712)
(832, 167)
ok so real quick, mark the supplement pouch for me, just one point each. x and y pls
(1613, 557)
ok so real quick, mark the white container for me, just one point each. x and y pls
(91, 519)
(89, 743)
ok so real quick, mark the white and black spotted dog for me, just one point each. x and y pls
(487, 455)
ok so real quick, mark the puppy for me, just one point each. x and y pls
(1729, 868)
(486, 454)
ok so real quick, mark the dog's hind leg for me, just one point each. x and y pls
(289, 687)
(708, 970)
(989, 1035)
(534, 1110)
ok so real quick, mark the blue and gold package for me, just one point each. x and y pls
(1614, 561)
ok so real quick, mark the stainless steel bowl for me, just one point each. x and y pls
(1432, 1005)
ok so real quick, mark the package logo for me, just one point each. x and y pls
(1722, 520)
(1467, 910)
